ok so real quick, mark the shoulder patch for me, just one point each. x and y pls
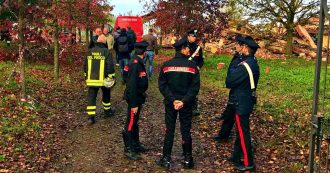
(135, 61)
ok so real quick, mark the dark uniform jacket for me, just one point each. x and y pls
(137, 82)
(237, 59)
(93, 41)
(179, 80)
(198, 59)
(239, 82)
(98, 65)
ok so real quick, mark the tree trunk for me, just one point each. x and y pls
(87, 37)
(87, 22)
(21, 47)
(56, 45)
(289, 36)
(289, 40)
(161, 38)
(79, 35)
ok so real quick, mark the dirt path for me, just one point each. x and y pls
(99, 148)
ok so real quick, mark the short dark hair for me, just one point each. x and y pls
(178, 49)
(252, 51)
(139, 51)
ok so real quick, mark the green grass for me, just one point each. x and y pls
(289, 84)
(19, 117)
(2, 157)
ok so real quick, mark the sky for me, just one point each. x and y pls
(125, 6)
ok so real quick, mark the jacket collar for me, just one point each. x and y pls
(138, 58)
(249, 57)
(180, 55)
(101, 45)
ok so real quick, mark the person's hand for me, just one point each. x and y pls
(178, 104)
(175, 102)
(134, 110)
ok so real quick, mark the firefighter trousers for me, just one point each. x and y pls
(91, 99)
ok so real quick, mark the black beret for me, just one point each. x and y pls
(249, 41)
(141, 45)
(193, 32)
(183, 42)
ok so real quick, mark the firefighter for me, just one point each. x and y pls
(137, 84)
(228, 115)
(243, 82)
(196, 55)
(179, 83)
(99, 71)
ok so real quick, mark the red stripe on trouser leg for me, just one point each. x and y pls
(130, 125)
(241, 136)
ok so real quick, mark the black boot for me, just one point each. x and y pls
(243, 168)
(128, 149)
(235, 161)
(221, 138)
(164, 161)
(138, 146)
(109, 113)
(188, 161)
(92, 119)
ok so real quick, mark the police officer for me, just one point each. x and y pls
(228, 116)
(196, 55)
(243, 82)
(99, 68)
(137, 84)
(179, 83)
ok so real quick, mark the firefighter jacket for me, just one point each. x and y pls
(179, 80)
(198, 56)
(239, 82)
(98, 65)
(136, 82)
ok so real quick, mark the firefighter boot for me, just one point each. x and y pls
(109, 113)
(188, 161)
(92, 119)
(164, 162)
(128, 150)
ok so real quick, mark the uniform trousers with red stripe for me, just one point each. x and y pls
(185, 117)
(242, 146)
(131, 128)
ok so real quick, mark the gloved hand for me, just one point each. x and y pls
(109, 82)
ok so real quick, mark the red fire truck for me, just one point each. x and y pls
(135, 22)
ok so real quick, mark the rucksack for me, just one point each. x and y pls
(123, 44)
